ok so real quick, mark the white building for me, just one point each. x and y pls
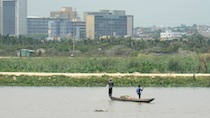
(13, 17)
(171, 35)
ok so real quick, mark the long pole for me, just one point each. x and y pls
(73, 44)
(74, 27)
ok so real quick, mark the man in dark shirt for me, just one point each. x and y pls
(111, 84)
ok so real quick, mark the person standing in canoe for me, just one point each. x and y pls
(139, 90)
(111, 84)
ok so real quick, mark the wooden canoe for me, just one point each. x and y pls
(148, 100)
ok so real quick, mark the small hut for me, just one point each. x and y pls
(25, 53)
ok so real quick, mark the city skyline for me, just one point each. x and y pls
(146, 13)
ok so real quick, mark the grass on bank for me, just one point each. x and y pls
(141, 64)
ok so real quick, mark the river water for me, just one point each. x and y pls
(79, 102)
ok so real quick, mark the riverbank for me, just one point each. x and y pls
(136, 74)
(88, 80)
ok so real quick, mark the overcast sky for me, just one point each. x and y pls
(145, 12)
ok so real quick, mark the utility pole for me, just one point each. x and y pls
(73, 32)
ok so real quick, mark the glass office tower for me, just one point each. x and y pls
(108, 23)
(13, 17)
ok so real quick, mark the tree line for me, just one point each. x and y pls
(117, 46)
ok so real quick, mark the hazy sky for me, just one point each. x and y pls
(145, 12)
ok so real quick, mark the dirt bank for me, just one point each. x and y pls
(102, 74)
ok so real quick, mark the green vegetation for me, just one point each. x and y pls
(141, 63)
(102, 81)
(119, 46)
(189, 54)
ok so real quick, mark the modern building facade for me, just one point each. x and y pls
(13, 17)
(78, 27)
(78, 30)
(39, 25)
(65, 13)
(60, 28)
(48, 26)
(108, 23)
(55, 27)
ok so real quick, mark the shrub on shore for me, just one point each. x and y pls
(130, 81)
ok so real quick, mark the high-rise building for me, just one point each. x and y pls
(78, 30)
(108, 23)
(39, 25)
(55, 27)
(13, 17)
(60, 28)
(65, 13)
(48, 26)
(78, 27)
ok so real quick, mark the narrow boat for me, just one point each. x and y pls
(126, 97)
(130, 99)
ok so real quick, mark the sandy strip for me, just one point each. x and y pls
(102, 74)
